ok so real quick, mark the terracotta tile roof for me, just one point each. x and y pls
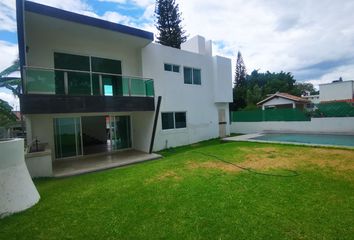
(284, 95)
(343, 100)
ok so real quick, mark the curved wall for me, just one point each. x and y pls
(17, 191)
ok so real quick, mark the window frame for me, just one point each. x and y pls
(172, 67)
(174, 120)
(192, 75)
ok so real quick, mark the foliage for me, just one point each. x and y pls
(173, 198)
(258, 86)
(253, 95)
(240, 91)
(7, 117)
(304, 89)
(168, 24)
(13, 84)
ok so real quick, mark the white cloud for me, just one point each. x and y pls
(346, 72)
(12, 100)
(275, 35)
(8, 53)
(78, 6)
(140, 3)
(7, 15)
(116, 17)
(272, 35)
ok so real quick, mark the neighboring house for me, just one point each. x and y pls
(92, 86)
(338, 90)
(315, 99)
(283, 100)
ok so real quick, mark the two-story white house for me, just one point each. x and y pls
(92, 86)
(337, 91)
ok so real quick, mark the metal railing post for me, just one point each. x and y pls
(130, 87)
(66, 84)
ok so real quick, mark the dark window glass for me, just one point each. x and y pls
(180, 119)
(187, 72)
(196, 76)
(106, 65)
(176, 68)
(95, 84)
(168, 67)
(59, 82)
(71, 62)
(167, 121)
(79, 83)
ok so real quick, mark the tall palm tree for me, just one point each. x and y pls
(11, 83)
(7, 117)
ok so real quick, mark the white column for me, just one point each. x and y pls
(263, 107)
(294, 105)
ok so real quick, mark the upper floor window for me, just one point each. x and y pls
(171, 67)
(192, 76)
(172, 120)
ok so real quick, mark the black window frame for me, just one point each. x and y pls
(169, 67)
(163, 124)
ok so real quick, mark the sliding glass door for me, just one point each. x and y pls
(120, 132)
(76, 136)
(67, 137)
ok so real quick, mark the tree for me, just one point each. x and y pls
(240, 88)
(240, 72)
(7, 117)
(304, 89)
(254, 95)
(11, 83)
(168, 24)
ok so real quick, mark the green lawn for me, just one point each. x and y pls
(188, 195)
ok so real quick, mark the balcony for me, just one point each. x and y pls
(71, 91)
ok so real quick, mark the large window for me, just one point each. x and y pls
(172, 120)
(192, 76)
(171, 68)
(81, 80)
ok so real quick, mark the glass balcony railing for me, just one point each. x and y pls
(73, 82)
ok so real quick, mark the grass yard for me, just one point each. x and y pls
(189, 195)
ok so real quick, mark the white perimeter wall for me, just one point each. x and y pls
(337, 91)
(197, 100)
(316, 125)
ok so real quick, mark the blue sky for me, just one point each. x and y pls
(312, 39)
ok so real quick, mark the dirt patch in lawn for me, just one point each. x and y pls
(268, 158)
(167, 175)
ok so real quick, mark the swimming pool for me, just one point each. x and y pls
(322, 139)
(298, 138)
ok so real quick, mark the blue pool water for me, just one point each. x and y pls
(325, 139)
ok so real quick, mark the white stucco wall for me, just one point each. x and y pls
(41, 127)
(343, 125)
(17, 191)
(139, 58)
(142, 124)
(222, 79)
(337, 91)
(39, 164)
(46, 35)
(277, 101)
(197, 100)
